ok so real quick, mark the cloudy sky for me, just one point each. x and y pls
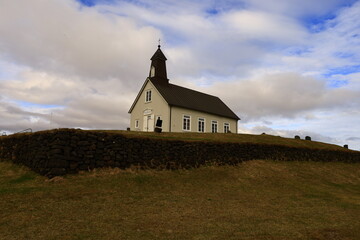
(286, 67)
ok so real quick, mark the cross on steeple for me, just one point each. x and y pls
(159, 43)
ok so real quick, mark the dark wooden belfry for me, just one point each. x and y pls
(158, 67)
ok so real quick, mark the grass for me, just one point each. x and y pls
(253, 200)
(217, 137)
(229, 137)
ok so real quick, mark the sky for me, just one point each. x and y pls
(285, 67)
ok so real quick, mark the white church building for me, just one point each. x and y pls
(160, 104)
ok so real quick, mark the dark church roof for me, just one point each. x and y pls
(158, 55)
(186, 98)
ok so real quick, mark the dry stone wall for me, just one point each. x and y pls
(64, 151)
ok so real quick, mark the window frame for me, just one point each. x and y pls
(152, 71)
(226, 124)
(214, 123)
(148, 96)
(201, 119)
(188, 117)
(136, 123)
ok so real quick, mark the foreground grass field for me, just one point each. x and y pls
(254, 200)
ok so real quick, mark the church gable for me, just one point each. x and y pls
(148, 106)
(147, 96)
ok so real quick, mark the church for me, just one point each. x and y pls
(162, 106)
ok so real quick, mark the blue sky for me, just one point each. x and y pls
(88, 3)
(285, 67)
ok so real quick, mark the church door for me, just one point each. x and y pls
(148, 123)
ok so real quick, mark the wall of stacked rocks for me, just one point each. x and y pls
(64, 151)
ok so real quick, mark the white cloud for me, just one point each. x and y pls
(14, 118)
(40, 88)
(336, 46)
(265, 27)
(100, 104)
(283, 94)
(59, 36)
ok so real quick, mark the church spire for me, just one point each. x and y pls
(158, 67)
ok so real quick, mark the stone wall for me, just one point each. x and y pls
(63, 151)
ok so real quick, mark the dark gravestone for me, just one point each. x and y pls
(346, 146)
(158, 125)
(297, 137)
(308, 138)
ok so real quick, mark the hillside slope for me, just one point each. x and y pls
(231, 138)
(63, 151)
(253, 200)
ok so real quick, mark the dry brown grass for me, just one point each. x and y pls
(254, 200)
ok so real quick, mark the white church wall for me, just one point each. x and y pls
(178, 113)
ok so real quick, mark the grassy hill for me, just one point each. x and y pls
(218, 137)
(253, 200)
(233, 138)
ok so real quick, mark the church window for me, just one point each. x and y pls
(136, 123)
(201, 125)
(226, 127)
(148, 96)
(214, 126)
(186, 123)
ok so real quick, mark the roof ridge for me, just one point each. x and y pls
(194, 90)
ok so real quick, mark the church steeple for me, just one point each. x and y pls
(158, 67)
